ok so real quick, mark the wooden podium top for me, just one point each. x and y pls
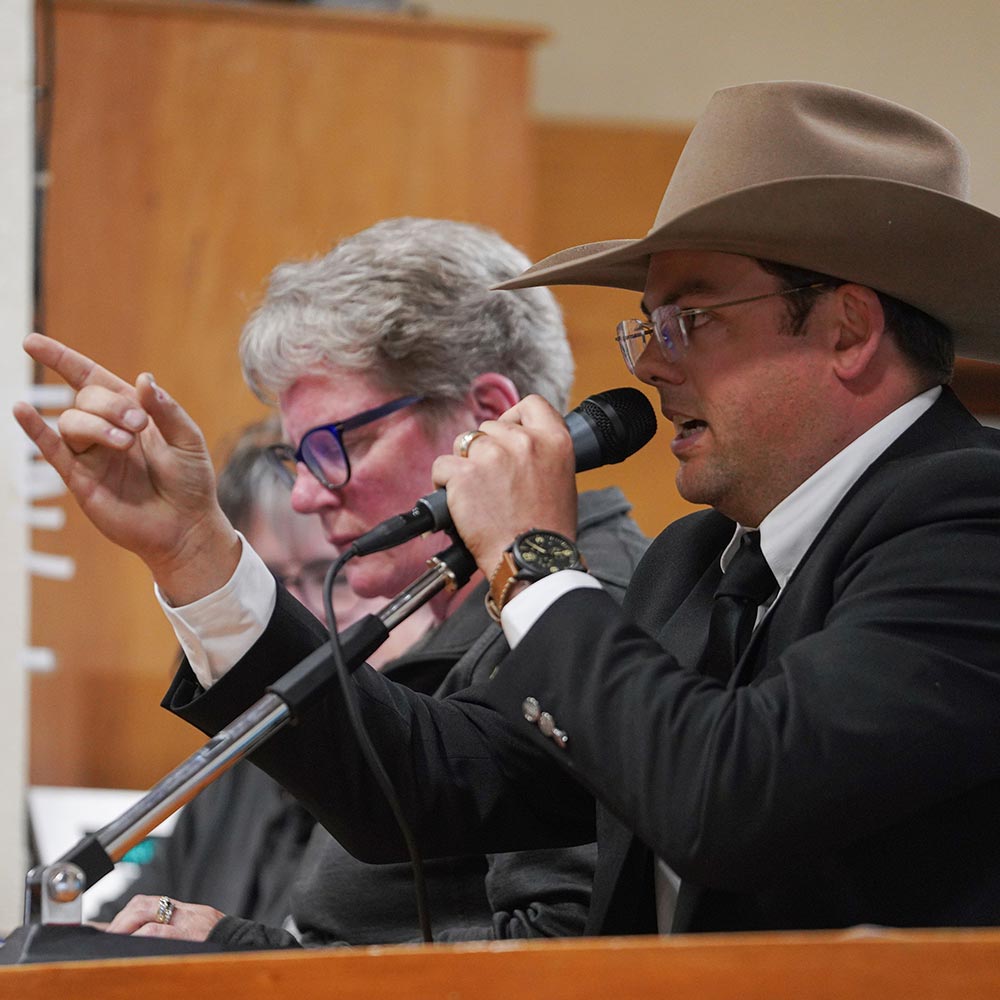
(861, 963)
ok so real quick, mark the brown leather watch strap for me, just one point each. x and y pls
(502, 579)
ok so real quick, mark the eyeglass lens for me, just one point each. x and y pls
(665, 326)
(324, 455)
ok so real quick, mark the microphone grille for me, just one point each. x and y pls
(623, 421)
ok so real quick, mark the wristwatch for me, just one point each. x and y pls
(532, 556)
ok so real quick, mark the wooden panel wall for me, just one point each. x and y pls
(978, 386)
(195, 146)
(597, 181)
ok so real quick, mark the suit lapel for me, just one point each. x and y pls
(626, 902)
(686, 632)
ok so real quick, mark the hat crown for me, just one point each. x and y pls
(765, 132)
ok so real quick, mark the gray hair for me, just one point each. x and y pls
(407, 302)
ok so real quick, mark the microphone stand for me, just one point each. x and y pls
(54, 892)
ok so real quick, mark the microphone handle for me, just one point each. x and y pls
(434, 507)
(429, 513)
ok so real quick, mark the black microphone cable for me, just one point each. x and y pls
(371, 754)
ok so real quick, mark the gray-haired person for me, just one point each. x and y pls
(377, 355)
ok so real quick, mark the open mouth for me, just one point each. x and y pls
(688, 427)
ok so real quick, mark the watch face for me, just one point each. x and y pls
(543, 552)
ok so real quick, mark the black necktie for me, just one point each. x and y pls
(747, 583)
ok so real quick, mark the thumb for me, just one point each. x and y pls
(171, 419)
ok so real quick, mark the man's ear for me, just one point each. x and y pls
(490, 395)
(860, 329)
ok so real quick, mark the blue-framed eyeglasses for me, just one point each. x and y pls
(322, 449)
(671, 326)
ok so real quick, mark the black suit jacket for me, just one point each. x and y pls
(850, 772)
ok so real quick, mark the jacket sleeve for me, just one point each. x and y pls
(466, 781)
(540, 893)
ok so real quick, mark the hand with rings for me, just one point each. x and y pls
(161, 916)
(464, 441)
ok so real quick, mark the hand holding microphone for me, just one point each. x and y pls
(519, 475)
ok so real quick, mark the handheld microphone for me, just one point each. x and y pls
(605, 429)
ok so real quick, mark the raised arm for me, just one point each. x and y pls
(137, 466)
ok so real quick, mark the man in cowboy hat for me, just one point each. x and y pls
(794, 720)
(813, 265)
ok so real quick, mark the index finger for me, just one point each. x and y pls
(72, 366)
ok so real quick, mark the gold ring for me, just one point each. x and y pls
(464, 441)
(165, 910)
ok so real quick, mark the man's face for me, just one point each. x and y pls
(747, 398)
(390, 469)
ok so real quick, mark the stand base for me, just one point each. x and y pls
(71, 943)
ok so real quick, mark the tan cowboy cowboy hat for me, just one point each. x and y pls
(827, 179)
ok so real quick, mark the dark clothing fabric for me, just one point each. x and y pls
(237, 847)
(848, 773)
(338, 899)
(747, 584)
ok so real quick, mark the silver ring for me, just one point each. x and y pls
(464, 441)
(165, 910)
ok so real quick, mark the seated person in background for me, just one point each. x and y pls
(378, 354)
(238, 844)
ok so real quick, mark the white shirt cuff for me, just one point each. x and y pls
(521, 612)
(217, 630)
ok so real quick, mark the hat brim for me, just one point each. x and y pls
(928, 249)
